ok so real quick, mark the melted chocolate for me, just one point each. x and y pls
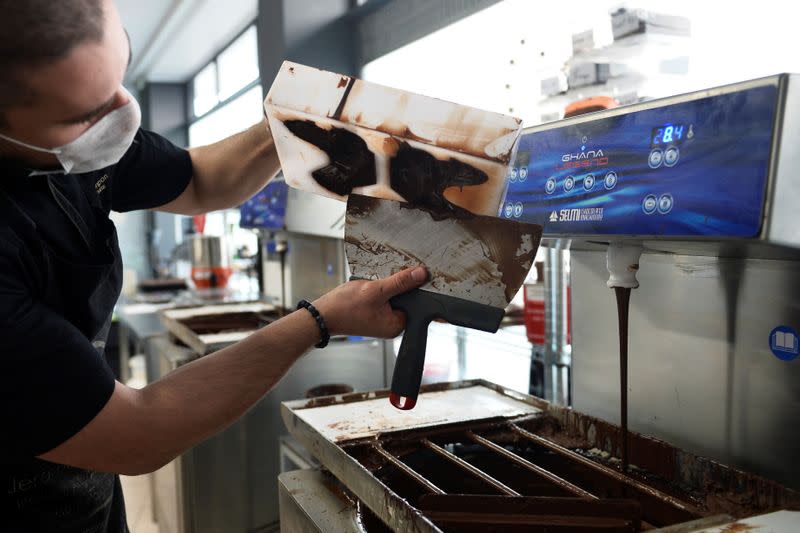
(623, 303)
(419, 177)
(352, 163)
(422, 179)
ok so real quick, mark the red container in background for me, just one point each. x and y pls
(210, 262)
(211, 278)
(569, 314)
(534, 312)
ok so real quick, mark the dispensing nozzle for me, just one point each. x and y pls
(623, 264)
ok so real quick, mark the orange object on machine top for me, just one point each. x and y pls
(589, 105)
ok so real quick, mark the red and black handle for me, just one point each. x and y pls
(421, 308)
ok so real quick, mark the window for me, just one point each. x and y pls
(238, 64)
(204, 87)
(227, 92)
(235, 69)
(496, 58)
(227, 99)
(233, 117)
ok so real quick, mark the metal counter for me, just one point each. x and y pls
(138, 324)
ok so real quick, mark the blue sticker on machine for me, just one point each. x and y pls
(697, 168)
(783, 341)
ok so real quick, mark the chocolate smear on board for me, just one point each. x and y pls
(351, 165)
(421, 180)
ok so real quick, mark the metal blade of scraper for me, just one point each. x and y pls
(476, 265)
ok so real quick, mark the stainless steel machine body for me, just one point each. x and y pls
(209, 252)
(706, 184)
(701, 374)
(307, 260)
(718, 215)
(299, 266)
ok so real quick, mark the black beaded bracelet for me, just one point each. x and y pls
(323, 328)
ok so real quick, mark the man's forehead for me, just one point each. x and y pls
(83, 80)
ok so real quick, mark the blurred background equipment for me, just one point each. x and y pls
(210, 262)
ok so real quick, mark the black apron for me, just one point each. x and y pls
(59, 498)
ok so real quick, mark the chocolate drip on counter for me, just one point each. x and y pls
(421, 179)
(623, 304)
(352, 163)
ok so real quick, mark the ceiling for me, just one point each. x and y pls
(173, 39)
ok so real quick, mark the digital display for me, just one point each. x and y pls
(669, 134)
(654, 172)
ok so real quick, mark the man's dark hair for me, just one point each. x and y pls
(37, 32)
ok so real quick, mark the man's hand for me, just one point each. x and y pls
(362, 307)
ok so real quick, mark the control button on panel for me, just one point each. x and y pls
(588, 182)
(611, 180)
(513, 175)
(517, 209)
(550, 186)
(569, 183)
(671, 156)
(656, 158)
(665, 204)
(523, 173)
(649, 204)
(509, 210)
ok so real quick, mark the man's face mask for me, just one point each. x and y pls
(100, 146)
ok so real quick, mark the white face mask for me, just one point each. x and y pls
(101, 145)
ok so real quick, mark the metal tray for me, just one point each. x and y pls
(355, 435)
(211, 327)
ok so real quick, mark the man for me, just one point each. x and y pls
(70, 151)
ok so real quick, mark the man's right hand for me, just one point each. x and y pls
(362, 307)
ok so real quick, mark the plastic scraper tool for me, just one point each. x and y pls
(476, 265)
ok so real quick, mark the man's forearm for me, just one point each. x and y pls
(137, 431)
(230, 171)
(212, 392)
(144, 429)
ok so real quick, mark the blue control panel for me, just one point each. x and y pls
(697, 168)
(267, 209)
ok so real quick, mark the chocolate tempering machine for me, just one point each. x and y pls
(694, 202)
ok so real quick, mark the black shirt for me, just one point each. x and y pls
(60, 276)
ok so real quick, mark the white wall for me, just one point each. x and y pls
(471, 61)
